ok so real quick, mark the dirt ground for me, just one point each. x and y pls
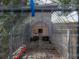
(44, 54)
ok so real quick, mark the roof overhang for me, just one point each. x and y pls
(38, 8)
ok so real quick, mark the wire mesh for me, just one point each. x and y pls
(58, 40)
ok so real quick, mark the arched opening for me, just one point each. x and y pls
(40, 32)
(39, 29)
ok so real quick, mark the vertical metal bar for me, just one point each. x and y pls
(11, 7)
(22, 6)
(78, 37)
(68, 35)
(10, 46)
(1, 7)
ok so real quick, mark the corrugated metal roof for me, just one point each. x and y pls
(71, 17)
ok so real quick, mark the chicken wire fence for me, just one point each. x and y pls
(47, 35)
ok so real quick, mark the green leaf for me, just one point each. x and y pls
(65, 1)
(6, 2)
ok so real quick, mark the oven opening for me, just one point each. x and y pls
(35, 38)
(40, 30)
